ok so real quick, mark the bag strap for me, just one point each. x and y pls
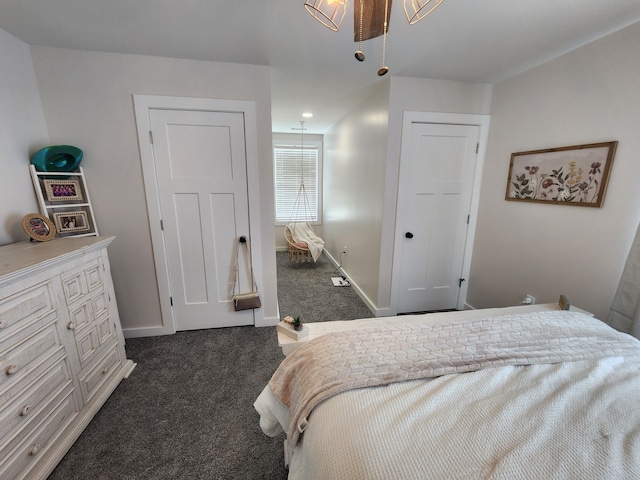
(254, 285)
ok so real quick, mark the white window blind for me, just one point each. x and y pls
(291, 168)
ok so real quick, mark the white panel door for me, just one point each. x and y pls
(200, 162)
(434, 198)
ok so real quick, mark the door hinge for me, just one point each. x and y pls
(460, 282)
(161, 225)
(468, 218)
(171, 301)
(477, 146)
(150, 137)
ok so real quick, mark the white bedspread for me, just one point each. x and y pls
(578, 419)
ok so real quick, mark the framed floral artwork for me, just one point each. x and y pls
(575, 175)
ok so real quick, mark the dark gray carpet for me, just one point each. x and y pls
(186, 411)
(305, 290)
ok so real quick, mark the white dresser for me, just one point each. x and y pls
(61, 349)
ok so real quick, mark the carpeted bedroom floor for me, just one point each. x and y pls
(305, 289)
(186, 411)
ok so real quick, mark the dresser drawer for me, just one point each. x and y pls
(85, 312)
(17, 415)
(97, 375)
(92, 327)
(83, 280)
(20, 456)
(90, 340)
(105, 329)
(18, 361)
(25, 308)
(100, 303)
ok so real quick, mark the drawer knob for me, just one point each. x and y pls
(71, 326)
(11, 369)
(105, 370)
(35, 449)
(24, 411)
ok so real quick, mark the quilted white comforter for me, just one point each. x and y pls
(579, 418)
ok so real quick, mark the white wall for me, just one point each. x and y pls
(87, 100)
(22, 132)
(362, 161)
(354, 168)
(589, 95)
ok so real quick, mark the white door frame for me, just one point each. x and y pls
(482, 121)
(142, 105)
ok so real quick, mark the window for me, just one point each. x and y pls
(290, 171)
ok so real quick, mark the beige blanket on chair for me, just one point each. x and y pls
(348, 360)
(302, 232)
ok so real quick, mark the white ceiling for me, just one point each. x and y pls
(313, 68)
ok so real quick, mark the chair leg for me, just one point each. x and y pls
(299, 255)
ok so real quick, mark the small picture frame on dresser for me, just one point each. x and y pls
(38, 227)
(75, 221)
(564, 303)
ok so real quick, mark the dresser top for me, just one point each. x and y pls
(16, 257)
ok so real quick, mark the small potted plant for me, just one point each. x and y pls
(297, 324)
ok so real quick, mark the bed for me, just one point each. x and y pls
(526, 395)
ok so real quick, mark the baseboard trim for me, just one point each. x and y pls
(158, 331)
(146, 332)
(355, 286)
(268, 322)
(384, 312)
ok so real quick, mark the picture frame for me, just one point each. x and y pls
(74, 221)
(62, 190)
(576, 175)
(38, 227)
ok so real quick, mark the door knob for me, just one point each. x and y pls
(408, 235)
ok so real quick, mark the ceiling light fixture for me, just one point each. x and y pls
(416, 10)
(329, 13)
(368, 15)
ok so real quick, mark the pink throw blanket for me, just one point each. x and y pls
(341, 361)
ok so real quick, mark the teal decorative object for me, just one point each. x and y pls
(57, 158)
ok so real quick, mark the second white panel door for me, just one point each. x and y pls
(435, 190)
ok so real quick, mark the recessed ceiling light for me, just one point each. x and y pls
(307, 114)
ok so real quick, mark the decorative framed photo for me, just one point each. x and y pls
(62, 190)
(76, 221)
(38, 227)
(575, 175)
